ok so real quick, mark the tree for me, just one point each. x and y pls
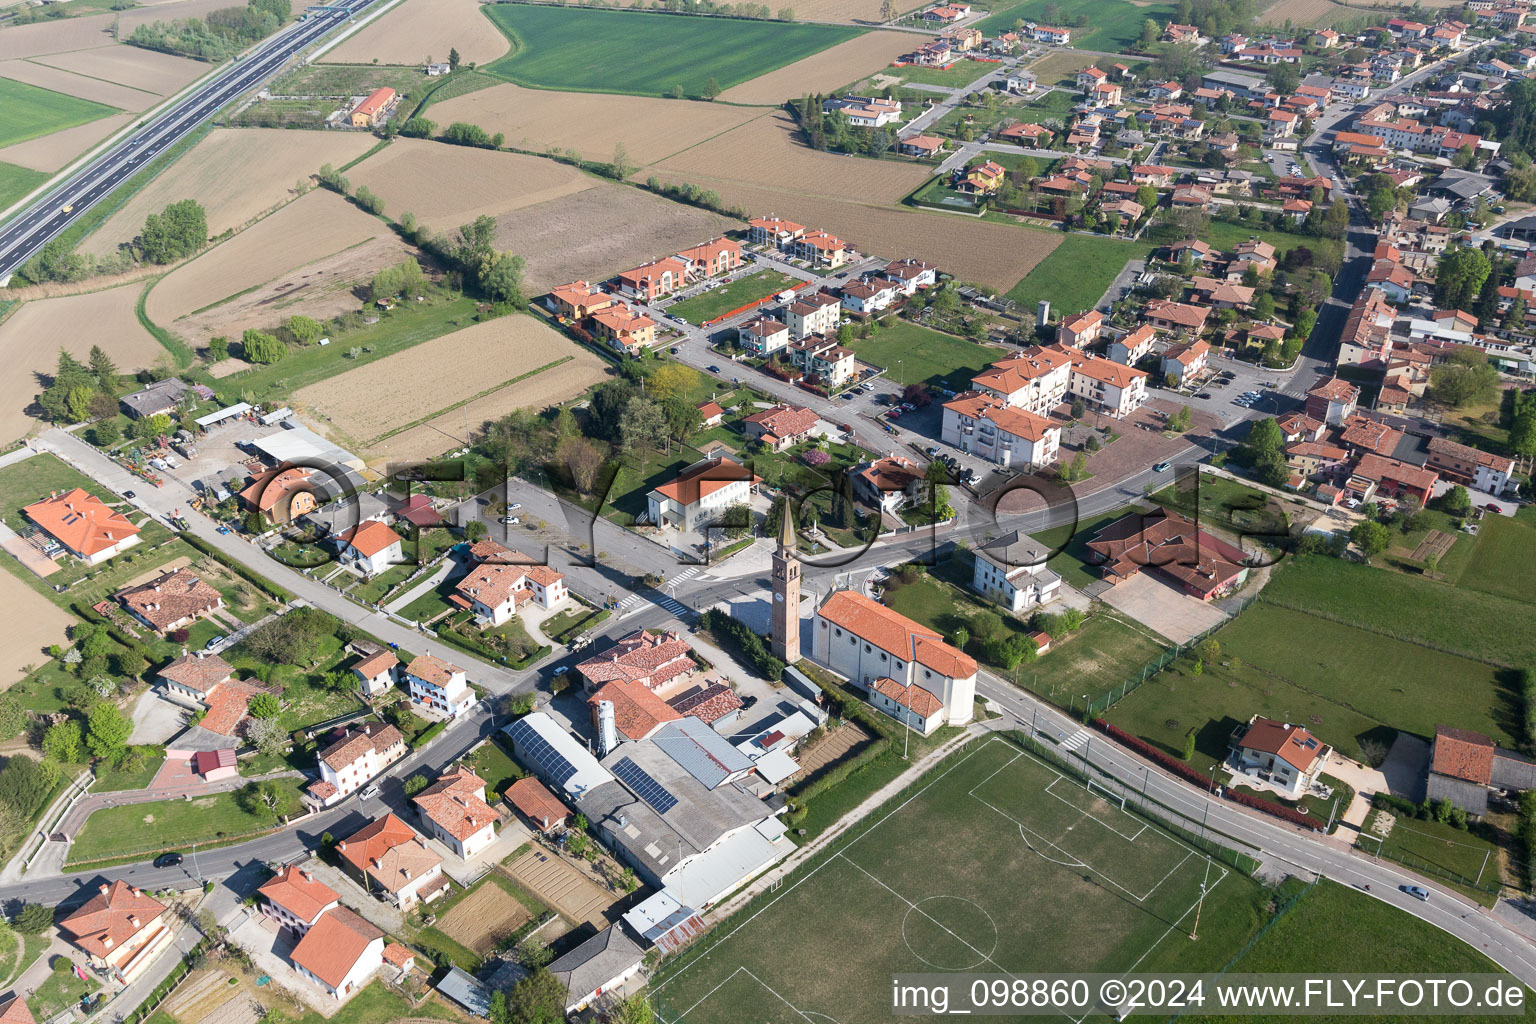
(264, 705)
(671, 380)
(369, 200)
(218, 349)
(415, 784)
(1284, 78)
(260, 799)
(1264, 436)
(1459, 276)
(1370, 537)
(1456, 501)
(633, 1009)
(1465, 378)
(711, 89)
(538, 999)
(177, 231)
(582, 458)
(640, 427)
(267, 734)
(305, 330)
(623, 166)
(109, 729)
(33, 919)
(502, 280)
(453, 59)
(63, 741)
(13, 717)
(102, 367)
(1522, 435)
(1264, 306)
(888, 10)
(260, 347)
(418, 128)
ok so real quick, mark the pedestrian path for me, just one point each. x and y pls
(1076, 740)
(633, 601)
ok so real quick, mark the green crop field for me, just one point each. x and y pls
(996, 863)
(1077, 272)
(16, 182)
(732, 296)
(27, 112)
(646, 54)
(913, 354)
(1113, 24)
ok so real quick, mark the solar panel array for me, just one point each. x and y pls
(639, 780)
(535, 750)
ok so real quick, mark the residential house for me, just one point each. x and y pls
(889, 482)
(340, 953)
(370, 548)
(455, 813)
(654, 660)
(869, 295)
(626, 330)
(650, 281)
(774, 231)
(161, 398)
(1176, 317)
(351, 759)
(816, 313)
(387, 857)
(1480, 470)
(1088, 78)
(1020, 82)
(1051, 36)
(83, 525)
(376, 672)
(982, 179)
(712, 258)
(1081, 330)
(439, 686)
(1286, 756)
(194, 676)
(1184, 362)
(1173, 548)
(711, 414)
(495, 591)
(374, 108)
(910, 275)
(172, 600)
(921, 145)
(1223, 294)
(1036, 380)
(578, 300)
(864, 111)
(907, 670)
(1011, 570)
(604, 962)
(780, 426)
(1396, 479)
(701, 492)
(1133, 347)
(1026, 134)
(762, 335)
(825, 362)
(294, 899)
(1333, 401)
(984, 425)
(121, 930)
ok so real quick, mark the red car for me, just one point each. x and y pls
(1491, 507)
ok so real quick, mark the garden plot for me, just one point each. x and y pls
(981, 251)
(592, 124)
(765, 152)
(592, 234)
(828, 70)
(484, 918)
(236, 174)
(31, 623)
(304, 232)
(381, 406)
(422, 31)
(445, 186)
(31, 337)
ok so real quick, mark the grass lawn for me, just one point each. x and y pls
(913, 354)
(1413, 607)
(732, 296)
(1503, 558)
(60, 989)
(16, 182)
(595, 51)
(433, 603)
(111, 780)
(151, 828)
(355, 80)
(1215, 501)
(1431, 846)
(28, 112)
(30, 480)
(374, 590)
(1113, 25)
(565, 625)
(962, 72)
(1077, 272)
(907, 891)
(372, 1004)
(494, 766)
(1057, 103)
(1100, 654)
(1068, 546)
(1334, 925)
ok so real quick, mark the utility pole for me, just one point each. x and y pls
(1194, 932)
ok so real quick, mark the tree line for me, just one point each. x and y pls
(174, 233)
(219, 36)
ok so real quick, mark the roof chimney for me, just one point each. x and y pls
(341, 846)
(102, 888)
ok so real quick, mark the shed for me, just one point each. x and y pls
(462, 988)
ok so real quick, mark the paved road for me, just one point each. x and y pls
(34, 226)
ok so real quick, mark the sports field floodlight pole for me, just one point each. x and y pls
(1194, 932)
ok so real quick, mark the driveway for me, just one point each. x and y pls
(156, 719)
(1405, 767)
(1162, 609)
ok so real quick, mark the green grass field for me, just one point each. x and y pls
(16, 182)
(27, 112)
(1113, 24)
(960, 73)
(172, 825)
(1434, 844)
(732, 296)
(1503, 560)
(913, 354)
(1077, 272)
(1468, 622)
(1336, 928)
(646, 54)
(996, 863)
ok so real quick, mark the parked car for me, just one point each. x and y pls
(515, 505)
(673, 350)
(1491, 507)
(561, 670)
(369, 793)
(510, 520)
(129, 495)
(225, 530)
(1204, 394)
(931, 451)
(168, 860)
(211, 644)
(713, 369)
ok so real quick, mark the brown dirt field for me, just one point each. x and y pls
(95, 30)
(445, 186)
(361, 404)
(1436, 542)
(31, 337)
(321, 290)
(763, 152)
(159, 73)
(561, 886)
(993, 254)
(417, 30)
(1060, 63)
(596, 233)
(236, 173)
(30, 624)
(842, 11)
(483, 918)
(305, 231)
(51, 152)
(71, 84)
(828, 70)
(592, 123)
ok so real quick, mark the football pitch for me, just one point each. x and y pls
(996, 862)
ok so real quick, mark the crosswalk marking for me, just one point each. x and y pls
(1076, 740)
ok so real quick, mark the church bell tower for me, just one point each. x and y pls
(786, 591)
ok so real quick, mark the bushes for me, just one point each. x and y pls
(1527, 683)
(1528, 835)
(749, 643)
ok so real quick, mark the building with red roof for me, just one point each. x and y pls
(454, 812)
(374, 107)
(495, 591)
(637, 711)
(1286, 756)
(294, 898)
(370, 547)
(388, 858)
(83, 525)
(15, 1011)
(1173, 548)
(655, 661)
(121, 930)
(340, 953)
(890, 657)
(701, 492)
(536, 803)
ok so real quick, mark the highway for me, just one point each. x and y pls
(33, 227)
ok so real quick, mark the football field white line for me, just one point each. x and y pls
(1142, 826)
(913, 906)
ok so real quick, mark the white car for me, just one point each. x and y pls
(369, 793)
(515, 505)
(510, 520)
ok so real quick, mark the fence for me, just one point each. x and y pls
(1149, 671)
(1424, 867)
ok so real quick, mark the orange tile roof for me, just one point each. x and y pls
(651, 659)
(1009, 375)
(536, 803)
(455, 802)
(708, 478)
(81, 521)
(274, 485)
(376, 101)
(370, 538)
(388, 851)
(1291, 743)
(707, 252)
(431, 669)
(398, 955)
(1167, 541)
(776, 225)
(895, 634)
(620, 319)
(371, 666)
(637, 712)
(354, 745)
(1178, 313)
(784, 420)
(1015, 421)
(1335, 389)
(297, 891)
(709, 410)
(921, 702)
(170, 597)
(201, 672)
(1108, 371)
(1463, 754)
(491, 584)
(15, 1011)
(333, 946)
(114, 915)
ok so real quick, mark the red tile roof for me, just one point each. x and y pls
(705, 479)
(637, 712)
(429, 668)
(114, 915)
(334, 945)
(388, 851)
(370, 538)
(895, 634)
(398, 955)
(297, 891)
(455, 802)
(1335, 389)
(784, 420)
(650, 659)
(170, 598)
(921, 702)
(354, 745)
(15, 1011)
(201, 672)
(709, 704)
(536, 803)
(375, 664)
(1291, 743)
(1167, 541)
(81, 521)
(1463, 754)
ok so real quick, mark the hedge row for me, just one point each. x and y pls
(749, 643)
(1527, 680)
(1306, 821)
(1528, 835)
